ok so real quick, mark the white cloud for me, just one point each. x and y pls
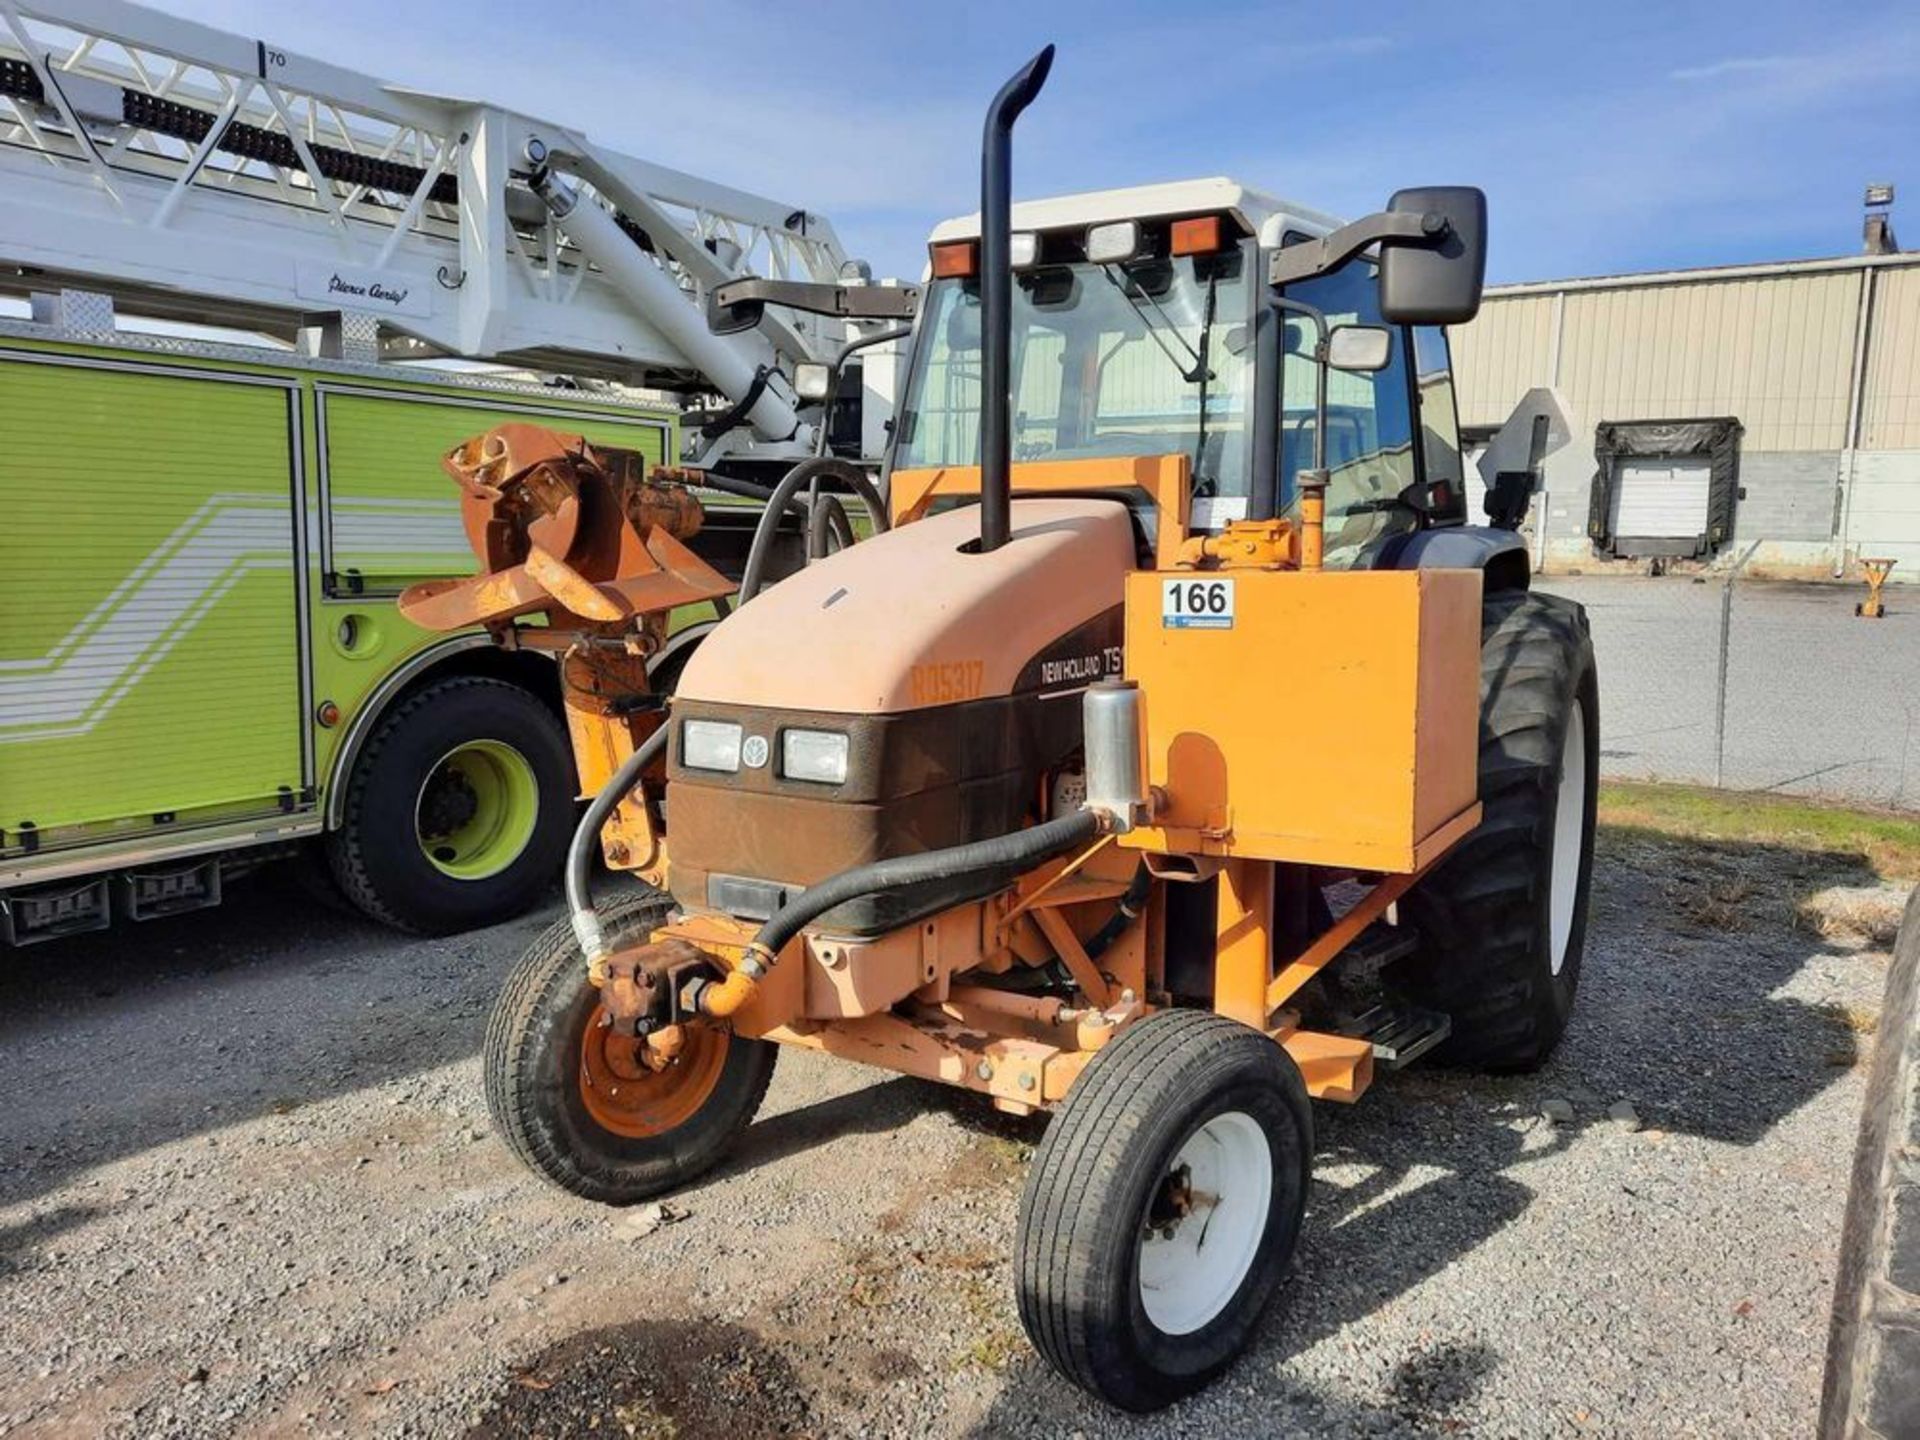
(1736, 66)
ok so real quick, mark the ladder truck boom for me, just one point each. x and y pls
(196, 175)
(600, 237)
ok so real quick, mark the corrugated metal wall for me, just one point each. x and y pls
(1775, 351)
(1502, 355)
(1776, 347)
(1890, 413)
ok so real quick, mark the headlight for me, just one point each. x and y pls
(710, 745)
(817, 755)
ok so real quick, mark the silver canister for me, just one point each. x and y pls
(1114, 715)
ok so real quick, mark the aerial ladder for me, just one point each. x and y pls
(193, 175)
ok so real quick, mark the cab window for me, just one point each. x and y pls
(1439, 419)
(1149, 357)
(1370, 455)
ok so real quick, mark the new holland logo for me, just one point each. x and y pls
(73, 686)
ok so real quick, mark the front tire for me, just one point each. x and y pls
(1503, 919)
(580, 1107)
(458, 811)
(1162, 1207)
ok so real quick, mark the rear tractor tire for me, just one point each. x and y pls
(585, 1108)
(1162, 1207)
(1503, 919)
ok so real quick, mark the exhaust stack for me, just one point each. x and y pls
(996, 298)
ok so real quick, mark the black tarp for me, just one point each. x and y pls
(1716, 440)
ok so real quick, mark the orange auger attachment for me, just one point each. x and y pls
(565, 528)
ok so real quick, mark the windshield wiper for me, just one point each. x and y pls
(1189, 373)
(1203, 484)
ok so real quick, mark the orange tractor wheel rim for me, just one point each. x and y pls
(633, 1092)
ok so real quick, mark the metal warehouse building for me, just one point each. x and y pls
(1701, 411)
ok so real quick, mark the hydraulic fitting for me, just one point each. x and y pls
(722, 998)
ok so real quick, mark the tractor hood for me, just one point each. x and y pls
(910, 620)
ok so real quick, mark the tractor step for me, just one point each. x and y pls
(1399, 1033)
(1377, 947)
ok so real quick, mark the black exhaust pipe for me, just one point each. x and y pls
(996, 299)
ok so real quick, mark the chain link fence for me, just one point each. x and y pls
(1756, 685)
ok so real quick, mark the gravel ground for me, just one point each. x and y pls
(1802, 717)
(249, 1189)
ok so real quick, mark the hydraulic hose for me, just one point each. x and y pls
(734, 485)
(1022, 849)
(818, 525)
(827, 518)
(755, 574)
(586, 924)
(1124, 914)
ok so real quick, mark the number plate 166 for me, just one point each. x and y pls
(1196, 604)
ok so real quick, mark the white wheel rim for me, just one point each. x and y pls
(1569, 821)
(1191, 1268)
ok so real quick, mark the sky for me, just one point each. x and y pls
(1609, 137)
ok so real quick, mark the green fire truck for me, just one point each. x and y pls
(258, 290)
(200, 660)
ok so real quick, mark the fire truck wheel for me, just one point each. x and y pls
(1163, 1206)
(599, 1114)
(1503, 919)
(458, 811)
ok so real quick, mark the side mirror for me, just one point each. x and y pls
(732, 319)
(1436, 284)
(1359, 347)
(739, 304)
(1507, 498)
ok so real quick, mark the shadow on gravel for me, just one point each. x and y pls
(1428, 1395)
(1680, 1012)
(268, 923)
(116, 1042)
(30, 1234)
(885, 1106)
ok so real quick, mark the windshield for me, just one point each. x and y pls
(1150, 357)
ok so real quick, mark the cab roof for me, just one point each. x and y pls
(1265, 215)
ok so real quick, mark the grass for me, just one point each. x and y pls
(1889, 841)
(996, 1341)
(1854, 1026)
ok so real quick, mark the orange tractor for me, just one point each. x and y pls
(1171, 754)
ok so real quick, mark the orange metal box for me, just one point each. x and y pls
(1326, 718)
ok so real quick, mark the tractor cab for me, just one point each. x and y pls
(1136, 317)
